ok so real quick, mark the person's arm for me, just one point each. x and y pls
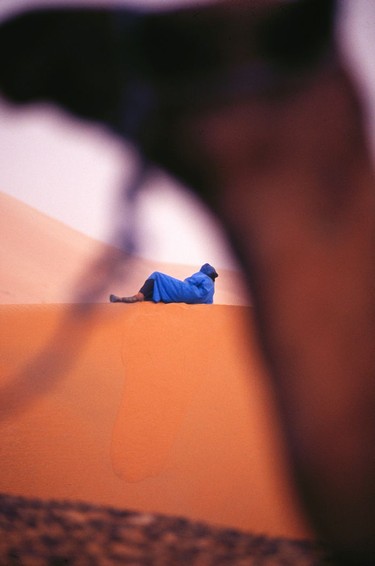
(201, 287)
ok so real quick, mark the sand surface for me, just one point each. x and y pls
(151, 407)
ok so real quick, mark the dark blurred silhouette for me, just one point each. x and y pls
(250, 104)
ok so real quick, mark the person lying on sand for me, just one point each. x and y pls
(161, 288)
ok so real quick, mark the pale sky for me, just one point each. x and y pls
(73, 171)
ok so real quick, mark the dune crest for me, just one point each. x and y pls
(44, 261)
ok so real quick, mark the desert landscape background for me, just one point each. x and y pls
(151, 407)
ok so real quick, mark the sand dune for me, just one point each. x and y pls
(152, 407)
(44, 261)
(149, 407)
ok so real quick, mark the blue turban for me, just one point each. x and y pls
(207, 269)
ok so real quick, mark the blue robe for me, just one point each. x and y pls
(198, 288)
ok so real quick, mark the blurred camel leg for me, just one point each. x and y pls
(286, 169)
(304, 226)
(296, 194)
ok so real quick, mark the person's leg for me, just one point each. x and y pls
(145, 293)
(137, 298)
(147, 289)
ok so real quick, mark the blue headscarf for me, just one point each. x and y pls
(207, 269)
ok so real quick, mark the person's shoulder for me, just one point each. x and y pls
(201, 276)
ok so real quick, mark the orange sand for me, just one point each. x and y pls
(160, 408)
(153, 407)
